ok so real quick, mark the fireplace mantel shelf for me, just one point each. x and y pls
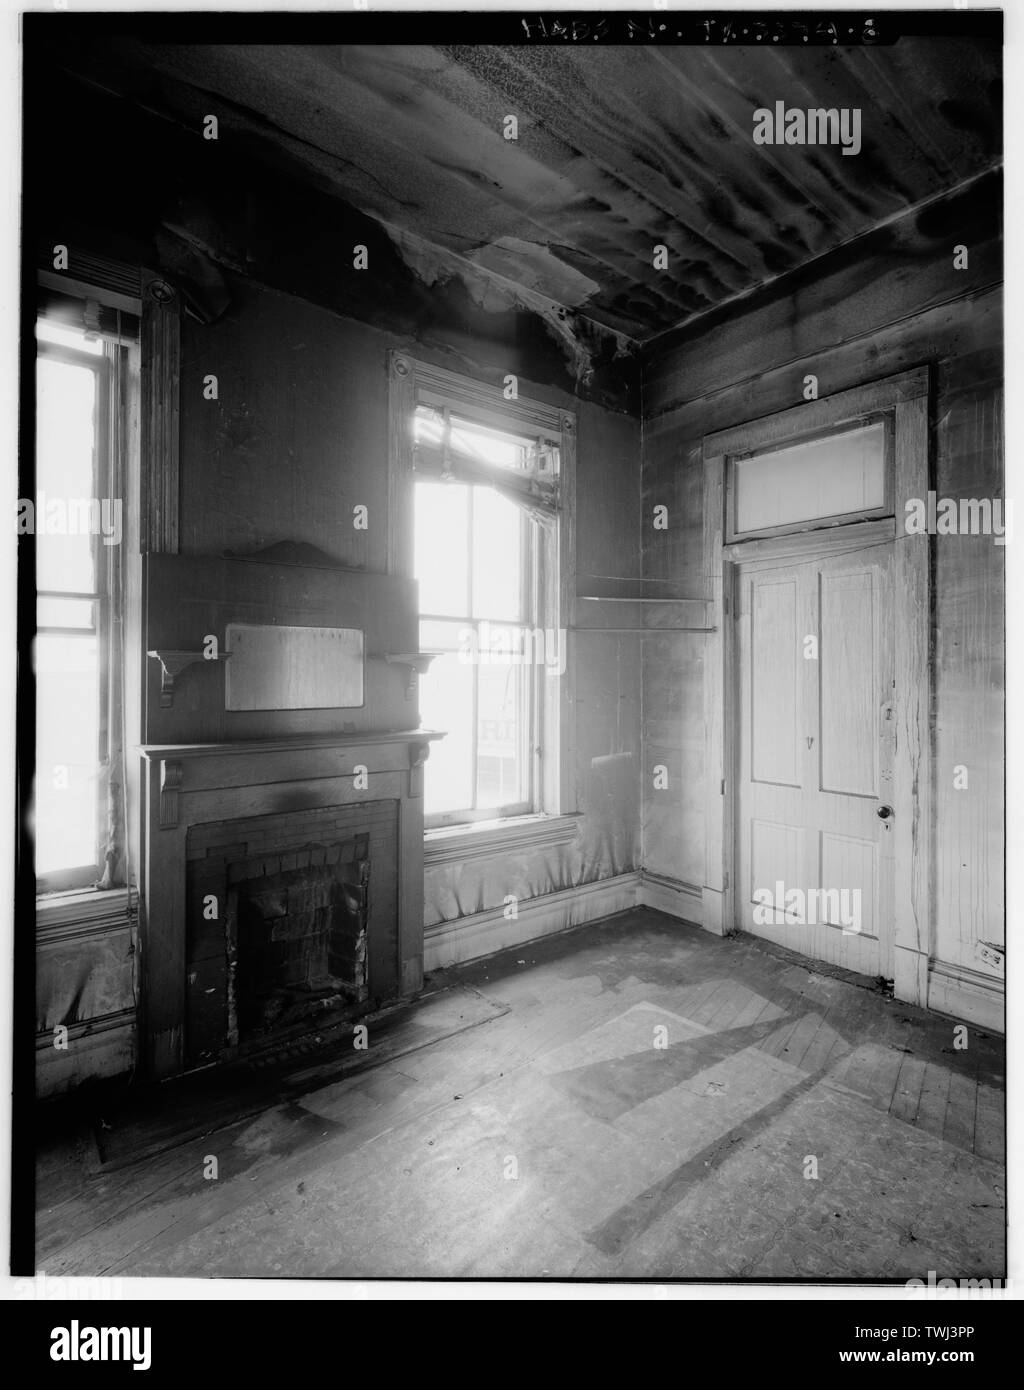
(286, 743)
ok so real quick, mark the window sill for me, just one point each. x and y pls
(457, 843)
(84, 910)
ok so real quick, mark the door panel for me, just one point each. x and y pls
(776, 855)
(814, 748)
(775, 702)
(851, 862)
(848, 656)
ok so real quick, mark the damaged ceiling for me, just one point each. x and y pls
(619, 150)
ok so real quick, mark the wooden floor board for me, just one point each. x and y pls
(989, 1124)
(810, 1046)
(907, 1093)
(879, 1080)
(931, 1112)
(709, 1006)
(961, 1108)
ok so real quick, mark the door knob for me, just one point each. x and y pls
(883, 812)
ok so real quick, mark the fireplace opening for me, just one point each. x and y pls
(292, 925)
(298, 937)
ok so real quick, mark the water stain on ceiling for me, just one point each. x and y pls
(618, 151)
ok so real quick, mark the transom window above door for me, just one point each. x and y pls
(828, 480)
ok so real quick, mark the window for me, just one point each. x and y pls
(78, 523)
(487, 548)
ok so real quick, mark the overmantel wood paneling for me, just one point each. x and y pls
(189, 598)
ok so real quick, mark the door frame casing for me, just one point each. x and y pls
(905, 397)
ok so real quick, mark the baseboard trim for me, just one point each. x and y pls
(89, 1027)
(98, 1049)
(672, 895)
(967, 994)
(483, 933)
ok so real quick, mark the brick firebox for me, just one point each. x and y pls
(290, 918)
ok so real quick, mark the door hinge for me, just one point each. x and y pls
(725, 880)
(722, 792)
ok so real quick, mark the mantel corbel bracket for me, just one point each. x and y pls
(171, 775)
(172, 663)
(417, 664)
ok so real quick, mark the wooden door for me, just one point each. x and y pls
(814, 741)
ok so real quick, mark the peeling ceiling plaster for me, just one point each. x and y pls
(492, 291)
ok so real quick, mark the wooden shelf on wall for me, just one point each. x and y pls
(644, 631)
(692, 614)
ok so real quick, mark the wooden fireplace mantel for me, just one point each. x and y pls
(197, 783)
(287, 743)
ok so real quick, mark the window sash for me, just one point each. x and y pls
(101, 595)
(529, 734)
